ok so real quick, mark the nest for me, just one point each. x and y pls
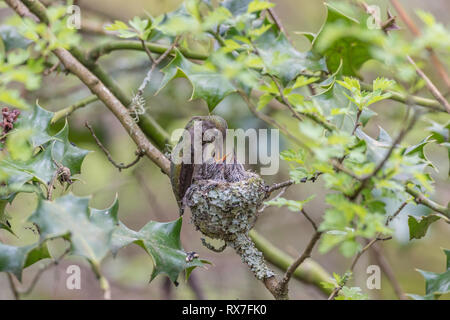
(228, 211)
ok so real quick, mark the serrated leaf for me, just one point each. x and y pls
(236, 7)
(281, 59)
(351, 293)
(12, 39)
(15, 259)
(419, 227)
(65, 153)
(342, 39)
(436, 284)
(162, 242)
(69, 216)
(38, 121)
(207, 84)
(259, 5)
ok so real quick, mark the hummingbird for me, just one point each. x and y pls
(182, 175)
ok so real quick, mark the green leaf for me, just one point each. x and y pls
(293, 205)
(70, 217)
(264, 100)
(15, 259)
(162, 242)
(383, 84)
(419, 227)
(258, 5)
(353, 293)
(207, 84)
(304, 81)
(41, 166)
(342, 39)
(436, 284)
(12, 39)
(116, 26)
(38, 121)
(18, 146)
(65, 153)
(236, 7)
(282, 60)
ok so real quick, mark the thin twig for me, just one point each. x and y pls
(395, 214)
(264, 207)
(268, 120)
(155, 63)
(147, 51)
(306, 254)
(314, 225)
(278, 22)
(13, 287)
(42, 270)
(387, 270)
(381, 164)
(352, 267)
(420, 198)
(64, 113)
(278, 186)
(120, 166)
(298, 115)
(430, 85)
(416, 32)
(369, 244)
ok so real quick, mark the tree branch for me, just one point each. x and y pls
(430, 85)
(120, 166)
(111, 46)
(63, 113)
(420, 198)
(403, 98)
(309, 272)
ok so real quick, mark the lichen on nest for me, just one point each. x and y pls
(228, 211)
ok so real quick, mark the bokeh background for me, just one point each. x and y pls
(145, 194)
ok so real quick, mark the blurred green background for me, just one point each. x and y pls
(145, 194)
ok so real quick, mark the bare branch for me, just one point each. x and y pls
(416, 32)
(120, 166)
(430, 85)
(13, 287)
(64, 113)
(387, 270)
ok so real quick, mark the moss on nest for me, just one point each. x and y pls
(228, 211)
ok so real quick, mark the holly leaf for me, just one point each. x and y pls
(418, 150)
(282, 60)
(65, 153)
(12, 39)
(236, 7)
(351, 293)
(207, 84)
(15, 259)
(69, 216)
(436, 284)
(418, 227)
(343, 39)
(162, 242)
(38, 121)
(41, 166)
